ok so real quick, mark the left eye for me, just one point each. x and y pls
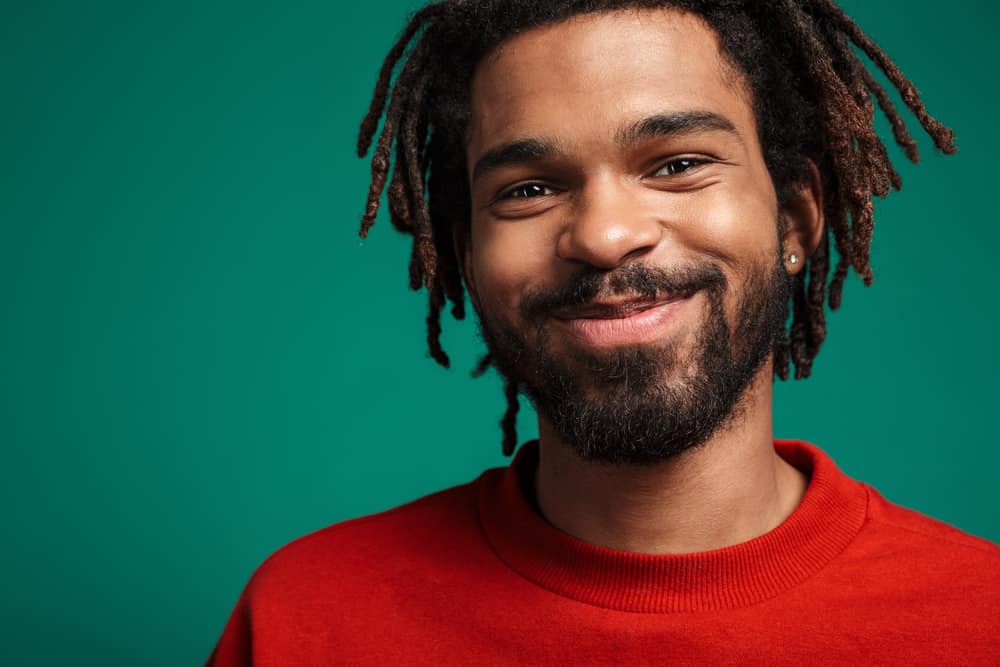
(526, 191)
(679, 166)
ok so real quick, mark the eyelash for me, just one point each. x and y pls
(510, 194)
(692, 162)
(542, 190)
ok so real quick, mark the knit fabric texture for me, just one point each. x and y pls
(473, 575)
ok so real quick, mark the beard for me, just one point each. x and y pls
(643, 404)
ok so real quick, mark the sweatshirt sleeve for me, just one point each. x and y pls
(235, 646)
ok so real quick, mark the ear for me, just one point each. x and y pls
(802, 222)
(461, 238)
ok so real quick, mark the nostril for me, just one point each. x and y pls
(607, 248)
(638, 252)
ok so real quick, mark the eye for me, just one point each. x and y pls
(526, 191)
(679, 166)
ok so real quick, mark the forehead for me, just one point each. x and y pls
(591, 73)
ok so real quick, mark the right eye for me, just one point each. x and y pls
(526, 191)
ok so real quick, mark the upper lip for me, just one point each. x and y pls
(612, 309)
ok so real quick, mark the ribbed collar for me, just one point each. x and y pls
(828, 517)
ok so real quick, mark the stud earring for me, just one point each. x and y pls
(793, 258)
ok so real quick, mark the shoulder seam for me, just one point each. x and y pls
(992, 551)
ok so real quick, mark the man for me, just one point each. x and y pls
(632, 194)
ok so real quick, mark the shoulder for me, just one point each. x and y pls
(327, 586)
(912, 526)
(370, 552)
(920, 554)
(908, 576)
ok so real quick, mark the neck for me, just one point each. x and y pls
(730, 490)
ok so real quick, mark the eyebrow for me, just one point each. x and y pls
(511, 154)
(667, 125)
(658, 126)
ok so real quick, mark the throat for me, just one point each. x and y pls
(730, 490)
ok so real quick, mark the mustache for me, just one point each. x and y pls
(639, 280)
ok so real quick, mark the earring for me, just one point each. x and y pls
(793, 258)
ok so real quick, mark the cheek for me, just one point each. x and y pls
(731, 224)
(509, 258)
(736, 226)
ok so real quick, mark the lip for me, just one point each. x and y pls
(624, 323)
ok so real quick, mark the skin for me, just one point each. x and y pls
(663, 199)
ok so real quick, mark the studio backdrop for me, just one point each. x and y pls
(200, 360)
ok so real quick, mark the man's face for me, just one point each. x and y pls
(624, 252)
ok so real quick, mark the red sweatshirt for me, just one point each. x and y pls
(474, 576)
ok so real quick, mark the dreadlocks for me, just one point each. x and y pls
(812, 97)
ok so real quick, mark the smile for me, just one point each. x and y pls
(627, 323)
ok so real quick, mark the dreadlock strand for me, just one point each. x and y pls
(424, 248)
(412, 195)
(436, 302)
(380, 170)
(509, 422)
(873, 155)
(482, 365)
(864, 225)
(781, 355)
(400, 213)
(444, 226)
(451, 280)
(448, 270)
(402, 199)
(404, 99)
(427, 256)
(899, 130)
(842, 122)
(416, 271)
(380, 163)
(846, 125)
(943, 136)
(797, 335)
(873, 149)
(370, 122)
(819, 267)
(838, 230)
(837, 282)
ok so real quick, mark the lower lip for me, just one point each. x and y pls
(643, 327)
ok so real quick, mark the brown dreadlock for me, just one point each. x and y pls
(812, 97)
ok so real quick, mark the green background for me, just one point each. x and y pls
(200, 361)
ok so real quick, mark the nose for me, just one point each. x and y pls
(608, 226)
